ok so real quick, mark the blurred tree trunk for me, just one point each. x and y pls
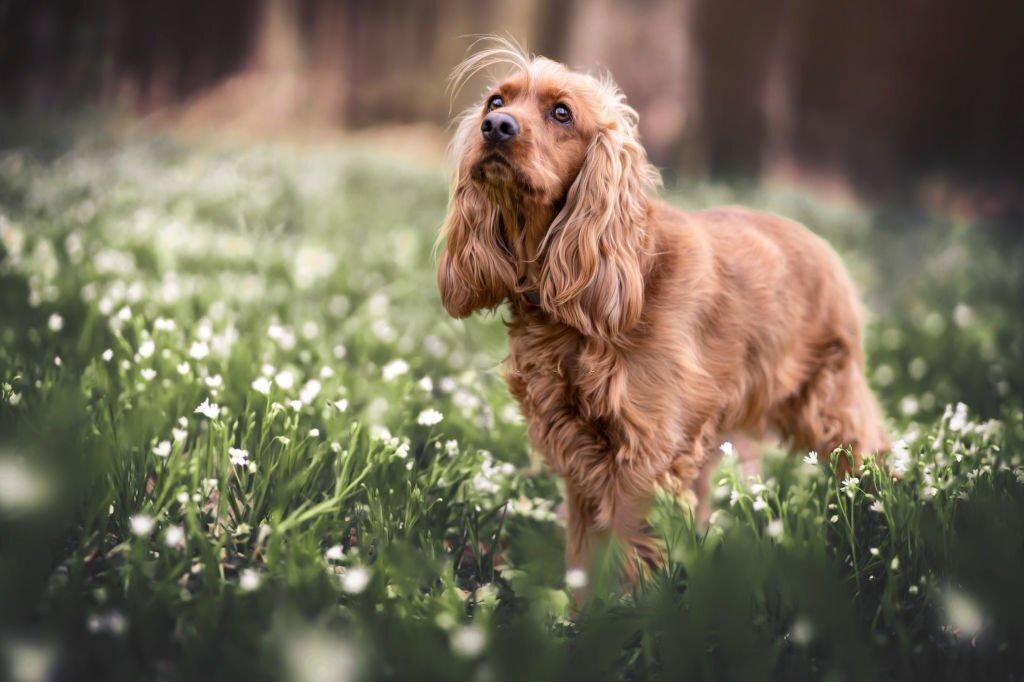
(693, 152)
(779, 93)
(277, 46)
(659, 69)
(330, 61)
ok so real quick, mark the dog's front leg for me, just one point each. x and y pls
(580, 531)
(625, 526)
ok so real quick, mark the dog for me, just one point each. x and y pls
(638, 333)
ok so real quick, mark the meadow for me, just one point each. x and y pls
(239, 437)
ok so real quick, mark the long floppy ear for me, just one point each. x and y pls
(595, 262)
(475, 268)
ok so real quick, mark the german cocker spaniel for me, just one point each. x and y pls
(638, 333)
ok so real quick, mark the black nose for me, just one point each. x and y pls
(499, 127)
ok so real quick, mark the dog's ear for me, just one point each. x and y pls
(475, 268)
(593, 277)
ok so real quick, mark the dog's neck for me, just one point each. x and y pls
(524, 225)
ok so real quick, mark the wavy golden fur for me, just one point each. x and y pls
(638, 333)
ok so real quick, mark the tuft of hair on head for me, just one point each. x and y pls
(498, 50)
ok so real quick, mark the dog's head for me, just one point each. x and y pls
(549, 196)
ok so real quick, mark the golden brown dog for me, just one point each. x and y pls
(638, 332)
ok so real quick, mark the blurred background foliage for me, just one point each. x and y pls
(240, 437)
(911, 99)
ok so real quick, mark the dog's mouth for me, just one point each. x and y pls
(492, 166)
(497, 171)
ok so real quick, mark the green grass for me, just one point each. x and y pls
(356, 538)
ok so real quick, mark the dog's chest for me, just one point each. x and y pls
(553, 370)
(543, 360)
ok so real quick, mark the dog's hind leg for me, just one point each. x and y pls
(835, 408)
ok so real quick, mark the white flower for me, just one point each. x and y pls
(878, 507)
(758, 488)
(198, 350)
(341, 404)
(835, 518)
(900, 459)
(261, 385)
(295, 404)
(383, 331)
(326, 372)
(576, 578)
(174, 536)
(734, 497)
(108, 355)
(208, 410)
(426, 383)
(183, 367)
(21, 486)
(249, 580)
(238, 456)
(355, 579)
(216, 381)
(963, 315)
(510, 414)
(958, 420)
(850, 486)
(146, 348)
(963, 615)
(334, 553)
(162, 324)
(124, 314)
(774, 528)
(142, 524)
(285, 379)
(802, 632)
(148, 373)
(874, 551)
(162, 449)
(909, 405)
(760, 504)
(310, 390)
(468, 641)
(811, 458)
(55, 323)
(314, 433)
(179, 434)
(112, 622)
(394, 369)
(727, 449)
(429, 417)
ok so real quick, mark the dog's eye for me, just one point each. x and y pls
(561, 113)
(495, 102)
